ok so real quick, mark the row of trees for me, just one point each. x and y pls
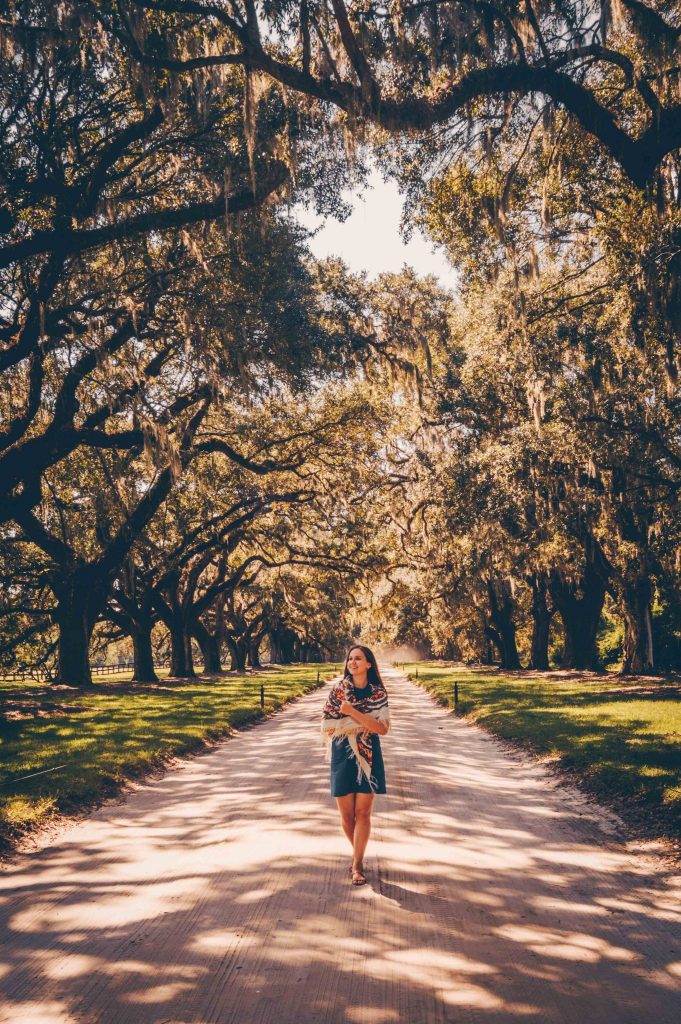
(163, 328)
(547, 503)
(551, 501)
(181, 388)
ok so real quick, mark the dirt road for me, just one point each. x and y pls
(220, 894)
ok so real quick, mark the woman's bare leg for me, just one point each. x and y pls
(363, 802)
(346, 806)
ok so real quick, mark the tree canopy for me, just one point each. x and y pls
(213, 443)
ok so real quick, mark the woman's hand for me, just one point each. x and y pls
(369, 723)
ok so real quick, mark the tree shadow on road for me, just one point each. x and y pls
(221, 893)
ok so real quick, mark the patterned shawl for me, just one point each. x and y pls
(336, 726)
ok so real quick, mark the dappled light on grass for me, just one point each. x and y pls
(220, 893)
(624, 741)
(116, 731)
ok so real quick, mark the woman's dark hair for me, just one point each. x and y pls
(373, 675)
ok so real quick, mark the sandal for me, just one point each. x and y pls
(358, 877)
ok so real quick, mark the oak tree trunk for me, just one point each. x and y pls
(81, 597)
(74, 646)
(638, 652)
(580, 614)
(210, 649)
(238, 650)
(181, 662)
(282, 642)
(143, 655)
(254, 654)
(275, 650)
(541, 617)
(502, 627)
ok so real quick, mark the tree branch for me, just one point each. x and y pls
(71, 242)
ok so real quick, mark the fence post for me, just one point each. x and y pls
(317, 675)
(262, 695)
(456, 695)
(417, 673)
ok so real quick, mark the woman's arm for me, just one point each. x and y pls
(369, 723)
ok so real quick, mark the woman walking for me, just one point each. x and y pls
(355, 715)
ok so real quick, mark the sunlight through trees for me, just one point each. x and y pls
(215, 447)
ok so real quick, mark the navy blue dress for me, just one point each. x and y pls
(344, 766)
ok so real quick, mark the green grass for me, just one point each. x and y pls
(117, 731)
(621, 740)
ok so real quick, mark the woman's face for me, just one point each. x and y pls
(358, 664)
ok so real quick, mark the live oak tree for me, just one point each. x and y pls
(249, 329)
(417, 66)
(100, 188)
(538, 507)
(586, 269)
(543, 477)
(82, 543)
(184, 568)
(537, 142)
(599, 80)
(271, 435)
(134, 291)
(307, 613)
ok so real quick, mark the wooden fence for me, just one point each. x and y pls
(97, 670)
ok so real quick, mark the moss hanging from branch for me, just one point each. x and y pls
(255, 87)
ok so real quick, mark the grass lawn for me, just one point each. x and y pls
(116, 731)
(621, 738)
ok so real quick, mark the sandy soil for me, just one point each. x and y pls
(220, 893)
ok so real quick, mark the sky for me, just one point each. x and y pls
(370, 238)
